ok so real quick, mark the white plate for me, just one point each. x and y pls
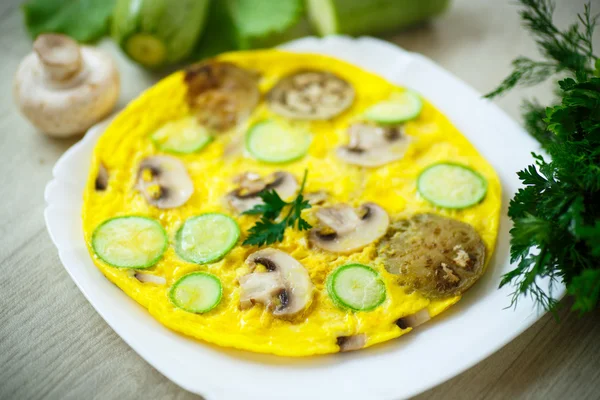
(470, 331)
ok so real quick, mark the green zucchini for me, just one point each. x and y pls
(155, 33)
(272, 142)
(181, 137)
(198, 292)
(364, 17)
(206, 238)
(399, 108)
(356, 287)
(451, 185)
(130, 242)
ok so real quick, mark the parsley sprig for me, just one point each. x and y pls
(556, 216)
(270, 228)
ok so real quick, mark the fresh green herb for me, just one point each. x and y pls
(270, 228)
(248, 24)
(264, 23)
(563, 51)
(219, 24)
(556, 233)
(83, 20)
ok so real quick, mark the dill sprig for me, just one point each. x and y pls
(270, 229)
(569, 51)
(556, 215)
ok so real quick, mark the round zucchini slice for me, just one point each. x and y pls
(273, 143)
(356, 287)
(400, 108)
(181, 137)
(451, 185)
(206, 238)
(130, 242)
(198, 292)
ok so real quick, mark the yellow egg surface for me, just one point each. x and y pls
(393, 186)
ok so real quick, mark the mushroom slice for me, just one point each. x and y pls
(372, 145)
(413, 320)
(311, 95)
(317, 198)
(101, 182)
(164, 181)
(350, 343)
(438, 256)
(221, 94)
(344, 229)
(261, 287)
(285, 289)
(250, 185)
(149, 278)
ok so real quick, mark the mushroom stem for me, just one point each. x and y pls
(343, 229)
(60, 56)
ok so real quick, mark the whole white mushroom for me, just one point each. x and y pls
(64, 88)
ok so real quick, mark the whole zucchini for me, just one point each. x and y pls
(362, 17)
(155, 33)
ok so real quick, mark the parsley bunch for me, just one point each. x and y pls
(556, 216)
(270, 228)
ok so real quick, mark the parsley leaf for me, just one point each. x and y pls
(556, 215)
(269, 229)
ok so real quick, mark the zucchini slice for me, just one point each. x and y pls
(130, 242)
(451, 185)
(356, 287)
(206, 238)
(399, 108)
(181, 137)
(274, 143)
(197, 292)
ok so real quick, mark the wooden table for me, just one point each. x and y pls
(54, 345)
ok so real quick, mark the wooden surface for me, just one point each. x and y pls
(54, 345)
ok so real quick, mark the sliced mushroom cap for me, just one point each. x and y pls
(285, 288)
(221, 94)
(149, 278)
(438, 256)
(344, 229)
(350, 343)
(164, 181)
(101, 182)
(311, 95)
(316, 198)
(250, 185)
(372, 145)
(261, 287)
(413, 320)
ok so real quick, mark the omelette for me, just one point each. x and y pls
(394, 214)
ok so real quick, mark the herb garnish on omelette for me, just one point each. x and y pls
(397, 218)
